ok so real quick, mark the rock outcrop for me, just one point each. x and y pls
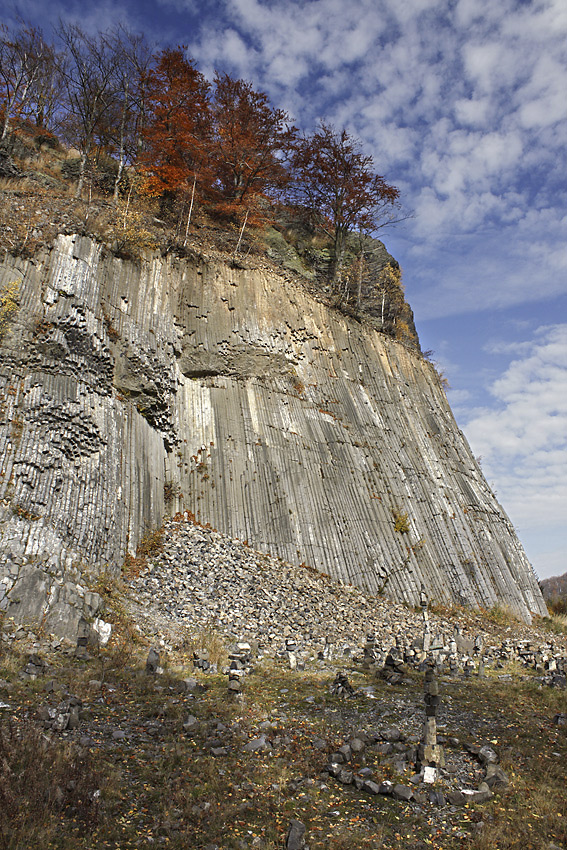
(132, 391)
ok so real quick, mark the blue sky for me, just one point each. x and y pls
(463, 105)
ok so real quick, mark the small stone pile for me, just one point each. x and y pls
(66, 715)
(240, 658)
(430, 753)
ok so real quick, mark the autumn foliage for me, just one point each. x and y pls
(178, 132)
(192, 144)
(337, 183)
(249, 145)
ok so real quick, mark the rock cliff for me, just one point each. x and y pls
(132, 391)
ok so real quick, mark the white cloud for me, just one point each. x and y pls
(523, 439)
(472, 111)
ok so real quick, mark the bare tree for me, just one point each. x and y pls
(90, 90)
(45, 95)
(23, 56)
(133, 60)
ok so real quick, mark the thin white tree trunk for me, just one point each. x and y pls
(236, 250)
(190, 209)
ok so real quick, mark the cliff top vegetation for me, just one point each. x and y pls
(101, 135)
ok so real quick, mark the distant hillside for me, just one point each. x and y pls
(554, 588)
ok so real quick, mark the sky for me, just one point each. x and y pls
(463, 106)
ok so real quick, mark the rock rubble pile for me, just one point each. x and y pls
(203, 579)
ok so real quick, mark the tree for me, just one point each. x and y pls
(251, 140)
(337, 183)
(90, 88)
(133, 57)
(45, 94)
(178, 127)
(22, 57)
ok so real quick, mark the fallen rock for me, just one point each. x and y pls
(402, 792)
(495, 777)
(295, 838)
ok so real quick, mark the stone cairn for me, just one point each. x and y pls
(240, 658)
(430, 753)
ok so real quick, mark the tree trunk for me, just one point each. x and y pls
(81, 181)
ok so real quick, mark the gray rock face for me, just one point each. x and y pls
(129, 392)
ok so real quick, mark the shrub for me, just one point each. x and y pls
(8, 305)
(401, 522)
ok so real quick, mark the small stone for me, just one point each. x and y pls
(480, 796)
(402, 792)
(357, 745)
(487, 755)
(256, 744)
(152, 662)
(456, 798)
(74, 717)
(436, 798)
(496, 777)
(295, 838)
(366, 772)
(191, 724)
(429, 775)
(391, 734)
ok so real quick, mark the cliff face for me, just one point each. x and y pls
(128, 392)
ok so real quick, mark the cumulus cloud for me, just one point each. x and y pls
(523, 438)
(463, 107)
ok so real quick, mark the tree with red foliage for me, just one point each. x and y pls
(251, 140)
(337, 184)
(177, 131)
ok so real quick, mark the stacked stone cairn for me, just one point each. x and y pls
(430, 754)
(295, 661)
(369, 657)
(240, 658)
(201, 661)
(341, 686)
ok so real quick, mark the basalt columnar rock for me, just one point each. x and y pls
(130, 391)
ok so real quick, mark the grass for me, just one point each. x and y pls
(161, 786)
(46, 788)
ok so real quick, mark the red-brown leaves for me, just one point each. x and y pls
(178, 129)
(336, 181)
(250, 142)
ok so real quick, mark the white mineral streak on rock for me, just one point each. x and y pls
(317, 431)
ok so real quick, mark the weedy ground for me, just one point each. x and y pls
(162, 786)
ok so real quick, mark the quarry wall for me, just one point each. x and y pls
(129, 391)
